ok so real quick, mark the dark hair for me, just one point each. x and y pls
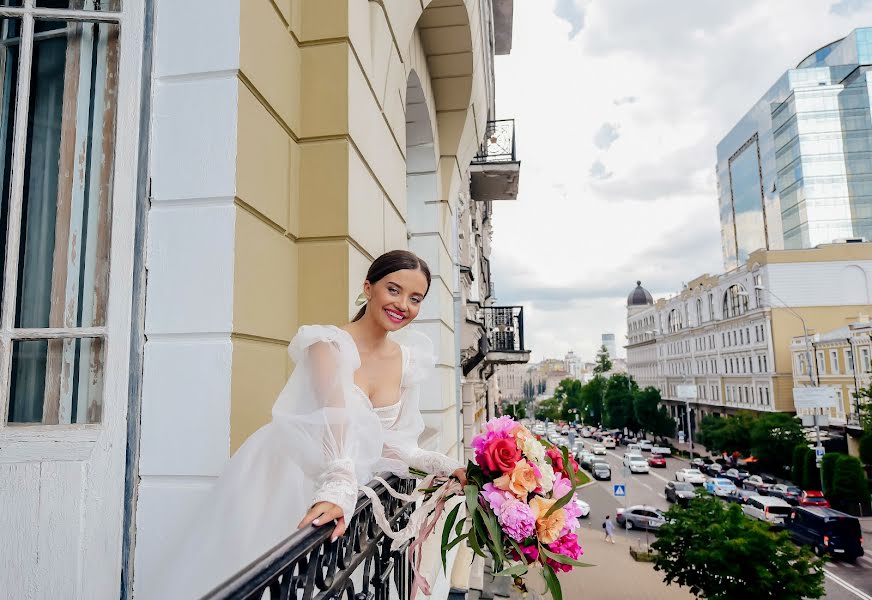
(391, 262)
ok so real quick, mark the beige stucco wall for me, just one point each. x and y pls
(322, 172)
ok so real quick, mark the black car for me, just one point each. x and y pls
(740, 496)
(827, 531)
(737, 476)
(679, 492)
(601, 470)
(789, 493)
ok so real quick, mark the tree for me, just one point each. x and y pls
(651, 416)
(713, 549)
(828, 467)
(542, 387)
(864, 406)
(592, 394)
(727, 434)
(850, 485)
(549, 408)
(618, 402)
(773, 438)
(866, 448)
(569, 393)
(603, 363)
(811, 475)
(798, 463)
(517, 410)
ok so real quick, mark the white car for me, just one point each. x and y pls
(638, 465)
(693, 476)
(609, 442)
(661, 450)
(599, 449)
(629, 456)
(767, 508)
(583, 506)
(645, 446)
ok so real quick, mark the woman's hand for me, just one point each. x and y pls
(460, 474)
(323, 512)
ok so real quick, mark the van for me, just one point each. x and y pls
(634, 449)
(827, 531)
(766, 508)
(609, 442)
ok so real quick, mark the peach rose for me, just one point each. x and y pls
(522, 434)
(521, 481)
(547, 528)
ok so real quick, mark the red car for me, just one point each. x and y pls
(656, 460)
(812, 498)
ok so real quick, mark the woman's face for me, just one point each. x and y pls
(395, 300)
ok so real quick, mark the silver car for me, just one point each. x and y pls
(641, 517)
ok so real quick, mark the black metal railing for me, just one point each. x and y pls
(499, 143)
(505, 328)
(307, 566)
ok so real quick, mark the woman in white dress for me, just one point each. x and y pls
(349, 410)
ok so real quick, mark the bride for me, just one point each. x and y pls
(349, 410)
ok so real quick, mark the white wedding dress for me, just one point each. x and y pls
(324, 441)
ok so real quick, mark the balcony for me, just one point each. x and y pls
(504, 327)
(308, 565)
(495, 170)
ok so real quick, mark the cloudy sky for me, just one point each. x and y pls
(619, 105)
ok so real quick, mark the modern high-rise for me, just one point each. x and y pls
(608, 341)
(796, 170)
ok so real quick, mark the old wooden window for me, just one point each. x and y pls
(58, 99)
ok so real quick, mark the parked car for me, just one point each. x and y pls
(693, 476)
(741, 496)
(679, 492)
(646, 445)
(599, 449)
(756, 483)
(638, 465)
(627, 440)
(585, 458)
(609, 442)
(583, 506)
(662, 450)
(656, 460)
(700, 463)
(601, 470)
(713, 470)
(789, 493)
(641, 516)
(720, 486)
(737, 476)
(827, 531)
(767, 508)
(814, 498)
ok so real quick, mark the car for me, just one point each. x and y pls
(700, 463)
(638, 465)
(720, 486)
(740, 496)
(813, 498)
(756, 483)
(662, 450)
(634, 448)
(827, 531)
(599, 449)
(586, 432)
(679, 492)
(693, 476)
(609, 442)
(601, 470)
(737, 476)
(583, 507)
(627, 440)
(789, 493)
(641, 517)
(585, 459)
(767, 508)
(656, 460)
(630, 455)
(646, 446)
(713, 469)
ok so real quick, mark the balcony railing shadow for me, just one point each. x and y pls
(308, 566)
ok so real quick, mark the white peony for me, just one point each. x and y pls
(534, 451)
(547, 481)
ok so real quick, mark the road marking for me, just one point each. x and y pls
(865, 560)
(856, 591)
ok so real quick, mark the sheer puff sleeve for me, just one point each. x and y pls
(401, 449)
(332, 429)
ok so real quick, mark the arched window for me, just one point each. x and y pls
(674, 320)
(735, 301)
(699, 311)
(758, 290)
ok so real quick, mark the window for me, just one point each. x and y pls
(56, 215)
(674, 320)
(834, 362)
(735, 301)
(801, 366)
(734, 338)
(864, 360)
(711, 307)
(698, 311)
(747, 335)
(849, 360)
(741, 337)
(758, 290)
(819, 362)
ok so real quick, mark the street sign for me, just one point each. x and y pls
(814, 397)
(819, 452)
(686, 392)
(620, 490)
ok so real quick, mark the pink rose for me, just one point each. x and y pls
(567, 546)
(556, 459)
(500, 456)
(531, 552)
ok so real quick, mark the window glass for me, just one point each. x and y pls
(113, 5)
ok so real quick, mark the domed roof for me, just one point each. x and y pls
(640, 296)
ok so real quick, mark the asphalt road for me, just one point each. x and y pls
(844, 581)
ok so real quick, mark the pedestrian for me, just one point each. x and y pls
(609, 529)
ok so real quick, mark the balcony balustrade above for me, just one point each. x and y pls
(307, 566)
(504, 326)
(495, 170)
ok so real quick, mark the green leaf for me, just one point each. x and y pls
(560, 503)
(563, 560)
(517, 548)
(417, 472)
(459, 528)
(552, 582)
(446, 533)
(473, 542)
(493, 527)
(456, 541)
(520, 569)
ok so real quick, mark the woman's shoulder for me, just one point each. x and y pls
(322, 337)
(419, 354)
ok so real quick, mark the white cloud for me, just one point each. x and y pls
(572, 246)
(606, 135)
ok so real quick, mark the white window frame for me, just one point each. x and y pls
(75, 442)
(849, 360)
(834, 362)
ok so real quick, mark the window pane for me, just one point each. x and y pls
(63, 256)
(10, 29)
(113, 5)
(57, 381)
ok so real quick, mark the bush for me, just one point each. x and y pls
(828, 466)
(849, 481)
(798, 463)
(811, 476)
(866, 448)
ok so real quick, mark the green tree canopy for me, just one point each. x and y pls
(619, 402)
(592, 394)
(727, 434)
(849, 481)
(711, 548)
(603, 362)
(828, 466)
(568, 391)
(550, 409)
(651, 416)
(811, 475)
(773, 438)
(866, 448)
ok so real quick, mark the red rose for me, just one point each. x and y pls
(556, 459)
(501, 456)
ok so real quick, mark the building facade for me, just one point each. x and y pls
(202, 179)
(794, 171)
(729, 336)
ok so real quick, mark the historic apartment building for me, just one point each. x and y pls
(202, 179)
(731, 336)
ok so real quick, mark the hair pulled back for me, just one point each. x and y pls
(391, 262)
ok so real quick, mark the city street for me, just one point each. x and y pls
(844, 581)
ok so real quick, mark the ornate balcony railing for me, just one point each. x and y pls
(499, 143)
(505, 328)
(307, 566)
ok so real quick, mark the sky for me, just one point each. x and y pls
(619, 106)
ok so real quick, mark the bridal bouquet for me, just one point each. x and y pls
(520, 505)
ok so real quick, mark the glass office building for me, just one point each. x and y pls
(796, 170)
